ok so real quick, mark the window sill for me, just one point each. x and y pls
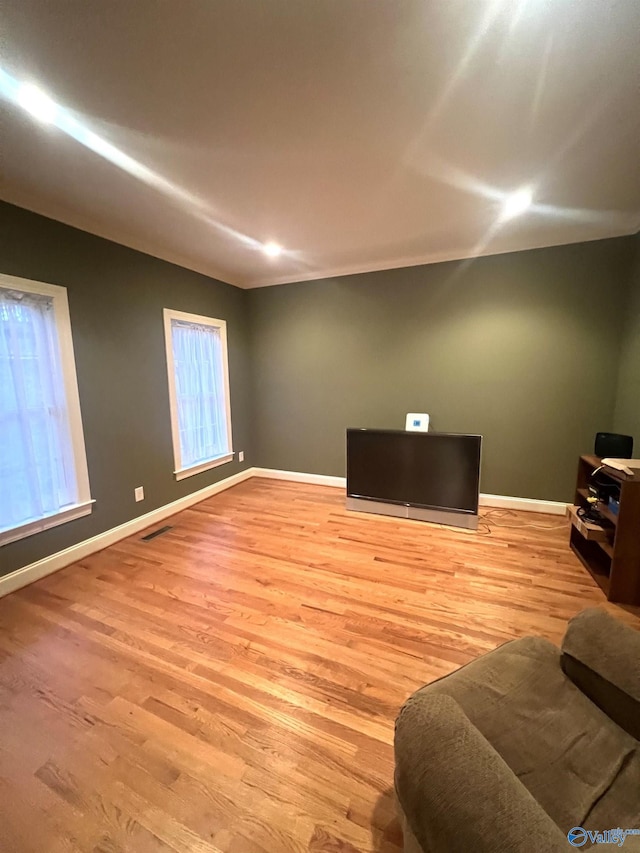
(183, 473)
(68, 514)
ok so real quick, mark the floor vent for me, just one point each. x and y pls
(155, 533)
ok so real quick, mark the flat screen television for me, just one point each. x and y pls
(432, 471)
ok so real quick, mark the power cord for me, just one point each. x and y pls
(497, 516)
(494, 517)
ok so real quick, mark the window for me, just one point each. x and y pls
(198, 391)
(43, 467)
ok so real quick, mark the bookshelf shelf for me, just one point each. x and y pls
(610, 552)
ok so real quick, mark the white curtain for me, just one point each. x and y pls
(37, 472)
(200, 396)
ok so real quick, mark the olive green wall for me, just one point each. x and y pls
(522, 348)
(116, 297)
(627, 419)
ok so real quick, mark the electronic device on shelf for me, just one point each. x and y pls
(614, 444)
(601, 490)
(429, 476)
(590, 514)
(602, 486)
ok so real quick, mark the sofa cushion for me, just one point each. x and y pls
(561, 746)
(601, 655)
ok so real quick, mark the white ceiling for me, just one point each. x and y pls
(359, 134)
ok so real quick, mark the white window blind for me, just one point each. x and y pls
(199, 391)
(39, 476)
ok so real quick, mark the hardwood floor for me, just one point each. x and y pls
(232, 684)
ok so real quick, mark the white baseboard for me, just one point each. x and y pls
(299, 477)
(494, 501)
(48, 565)
(524, 504)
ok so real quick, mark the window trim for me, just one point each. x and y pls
(62, 320)
(69, 513)
(180, 471)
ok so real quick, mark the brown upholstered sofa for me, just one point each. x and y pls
(515, 749)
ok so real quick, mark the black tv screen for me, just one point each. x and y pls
(431, 470)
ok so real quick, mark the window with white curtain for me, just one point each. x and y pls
(198, 391)
(43, 466)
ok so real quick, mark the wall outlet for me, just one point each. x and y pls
(139, 493)
(241, 456)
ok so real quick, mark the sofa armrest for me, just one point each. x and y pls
(457, 793)
(601, 655)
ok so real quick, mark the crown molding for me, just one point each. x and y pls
(59, 213)
(401, 262)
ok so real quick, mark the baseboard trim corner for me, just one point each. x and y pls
(48, 565)
(301, 477)
(524, 504)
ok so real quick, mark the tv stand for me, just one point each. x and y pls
(610, 552)
(468, 521)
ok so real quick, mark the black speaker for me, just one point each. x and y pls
(613, 446)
